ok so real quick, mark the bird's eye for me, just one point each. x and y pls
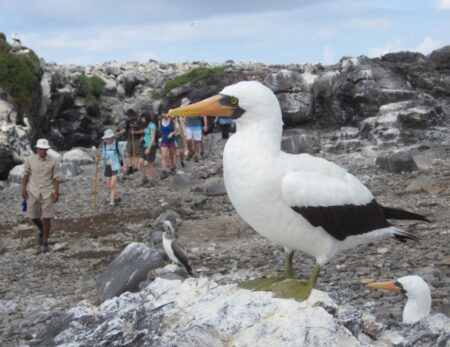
(233, 101)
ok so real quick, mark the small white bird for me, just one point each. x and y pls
(16, 39)
(416, 290)
(173, 249)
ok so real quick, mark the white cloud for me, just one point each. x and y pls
(443, 4)
(427, 45)
(328, 56)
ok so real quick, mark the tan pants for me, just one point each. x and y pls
(38, 208)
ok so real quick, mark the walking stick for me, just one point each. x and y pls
(94, 183)
(133, 151)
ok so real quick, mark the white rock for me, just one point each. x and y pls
(78, 156)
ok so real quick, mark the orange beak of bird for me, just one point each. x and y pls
(213, 106)
(389, 285)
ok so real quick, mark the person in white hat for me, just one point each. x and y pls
(113, 157)
(40, 187)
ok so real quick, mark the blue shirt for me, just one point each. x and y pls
(225, 120)
(166, 130)
(111, 157)
(148, 134)
(194, 123)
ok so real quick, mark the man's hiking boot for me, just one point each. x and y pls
(173, 171)
(44, 247)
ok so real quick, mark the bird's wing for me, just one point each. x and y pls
(336, 201)
(181, 255)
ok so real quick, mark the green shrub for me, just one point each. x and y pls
(20, 76)
(91, 87)
(195, 75)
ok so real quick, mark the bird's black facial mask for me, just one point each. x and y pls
(233, 103)
(399, 285)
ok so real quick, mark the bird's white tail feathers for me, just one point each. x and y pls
(375, 235)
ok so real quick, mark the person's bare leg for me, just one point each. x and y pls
(113, 189)
(164, 151)
(151, 172)
(172, 155)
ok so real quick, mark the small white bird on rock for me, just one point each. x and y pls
(416, 290)
(173, 249)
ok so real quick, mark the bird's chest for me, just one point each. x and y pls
(252, 183)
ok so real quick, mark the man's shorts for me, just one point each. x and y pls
(137, 143)
(109, 172)
(38, 208)
(193, 134)
(150, 158)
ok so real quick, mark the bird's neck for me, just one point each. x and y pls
(416, 308)
(260, 136)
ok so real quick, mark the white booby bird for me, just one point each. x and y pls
(173, 249)
(297, 201)
(16, 39)
(416, 290)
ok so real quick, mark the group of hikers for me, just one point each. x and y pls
(145, 135)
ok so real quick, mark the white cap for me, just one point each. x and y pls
(108, 134)
(42, 144)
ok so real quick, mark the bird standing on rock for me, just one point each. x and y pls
(297, 201)
(173, 249)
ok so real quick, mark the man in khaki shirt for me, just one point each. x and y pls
(41, 177)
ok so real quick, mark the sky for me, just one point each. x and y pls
(266, 31)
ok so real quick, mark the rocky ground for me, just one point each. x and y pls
(84, 241)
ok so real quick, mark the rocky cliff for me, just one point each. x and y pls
(388, 100)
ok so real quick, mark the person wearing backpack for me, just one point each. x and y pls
(112, 157)
(147, 150)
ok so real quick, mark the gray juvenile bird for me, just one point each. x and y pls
(173, 249)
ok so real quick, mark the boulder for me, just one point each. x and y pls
(70, 169)
(397, 162)
(214, 187)
(78, 156)
(296, 141)
(296, 107)
(16, 174)
(127, 270)
(441, 58)
(6, 160)
(182, 181)
(285, 81)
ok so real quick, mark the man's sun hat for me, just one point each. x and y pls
(109, 134)
(42, 144)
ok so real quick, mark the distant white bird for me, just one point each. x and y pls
(418, 293)
(16, 39)
(297, 201)
(173, 249)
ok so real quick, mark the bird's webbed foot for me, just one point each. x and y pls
(264, 283)
(285, 286)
